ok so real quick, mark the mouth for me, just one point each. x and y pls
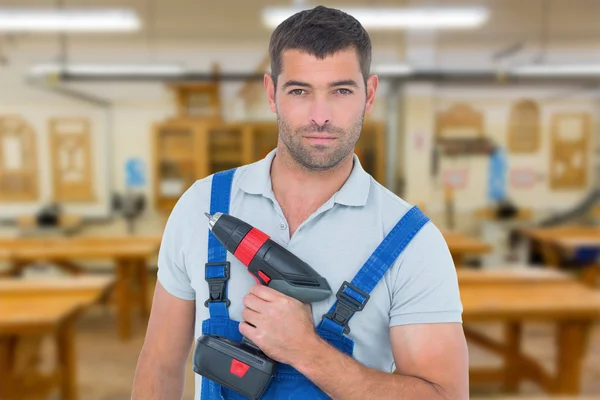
(320, 137)
(320, 140)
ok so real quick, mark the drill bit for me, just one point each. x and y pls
(212, 219)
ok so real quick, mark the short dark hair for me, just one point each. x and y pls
(320, 31)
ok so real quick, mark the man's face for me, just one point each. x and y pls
(320, 106)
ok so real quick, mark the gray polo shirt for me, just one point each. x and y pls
(421, 287)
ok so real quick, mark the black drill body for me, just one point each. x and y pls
(242, 366)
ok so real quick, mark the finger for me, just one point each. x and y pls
(266, 293)
(250, 316)
(253, 302)
(247, 330)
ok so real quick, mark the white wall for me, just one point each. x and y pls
(495, 103)
(136, 106)
(38, 116)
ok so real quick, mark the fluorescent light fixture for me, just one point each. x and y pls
(63, 20)
(107, 69)
(557, 70)
(396, 18)
(392, 69)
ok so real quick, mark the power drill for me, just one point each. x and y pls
(243, 367)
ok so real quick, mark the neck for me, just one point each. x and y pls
(294, 183)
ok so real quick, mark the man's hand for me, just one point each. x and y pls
(280, 325)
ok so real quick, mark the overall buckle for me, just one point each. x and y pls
(217, 285)
(350, 300)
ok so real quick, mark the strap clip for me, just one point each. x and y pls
(350, 300)
(217, 285)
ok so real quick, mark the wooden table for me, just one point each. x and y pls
(31, 309)
(515, 297)
(563, 243)
(574, 245)
(461, 245)
(129, 254)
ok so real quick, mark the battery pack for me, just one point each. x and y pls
(236, 366)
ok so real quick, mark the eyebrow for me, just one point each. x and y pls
(347, 82)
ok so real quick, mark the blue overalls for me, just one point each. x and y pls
(288, 383)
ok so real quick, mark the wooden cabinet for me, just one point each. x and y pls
(180, 158)
(371, 151)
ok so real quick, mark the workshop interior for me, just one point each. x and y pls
(486, 117)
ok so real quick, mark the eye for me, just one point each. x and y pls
(344, 91)
(296, 92)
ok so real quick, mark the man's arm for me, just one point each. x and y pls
(160, 372)
(431, 360)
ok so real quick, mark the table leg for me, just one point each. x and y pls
(512, 373)
(142, 271)
(67, 360)
(550, 254)
(590, 275)
(123, 298)
(571, 344)
(5, 365)
(16, 268)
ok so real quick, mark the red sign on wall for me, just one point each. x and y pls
(523, 178)
(455, 178)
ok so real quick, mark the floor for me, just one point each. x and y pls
(107, 365)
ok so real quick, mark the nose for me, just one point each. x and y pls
(320, 112)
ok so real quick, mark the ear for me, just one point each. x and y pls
(270, 89)
(372, 84)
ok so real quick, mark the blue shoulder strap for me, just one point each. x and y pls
(353, 296)
(217, 268)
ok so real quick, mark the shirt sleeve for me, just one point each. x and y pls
(172, 271)
(426, 286)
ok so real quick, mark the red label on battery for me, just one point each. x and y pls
(248, 247)
(238, 368)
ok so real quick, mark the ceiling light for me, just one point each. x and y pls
(107, 69)
(54, 20)
(395, 18)
(557, 70)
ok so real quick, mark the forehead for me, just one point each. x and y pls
(297, 64)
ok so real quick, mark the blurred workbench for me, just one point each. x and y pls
(129, 254)
(515, 296)
(461, 245)
(67, 224)
(569, 244)
(30, 310)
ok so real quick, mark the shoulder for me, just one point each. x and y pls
(198, 195)
(393, 208)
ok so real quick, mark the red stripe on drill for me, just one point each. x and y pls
(249, 246)
(238, 368)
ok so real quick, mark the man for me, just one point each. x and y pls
(312, 196)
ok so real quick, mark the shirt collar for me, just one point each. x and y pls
(354, 192)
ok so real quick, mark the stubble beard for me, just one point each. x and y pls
(319, 157)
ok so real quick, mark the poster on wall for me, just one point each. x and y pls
(497, 175)
(456, 178)
(135, 172)
(523, 178)
(419, 141)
